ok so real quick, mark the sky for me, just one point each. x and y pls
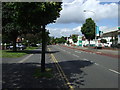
(72, 16)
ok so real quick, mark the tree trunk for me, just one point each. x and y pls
(14, 44)
(89, 42)
(43, 49)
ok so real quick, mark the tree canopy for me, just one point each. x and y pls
(27, 17)
(74, 38)
(88, 29)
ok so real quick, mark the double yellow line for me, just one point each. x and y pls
(62, 74)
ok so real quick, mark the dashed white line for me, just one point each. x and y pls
(98, 52)
(96, 64)
(114, 71)
(85, 59)
(75, 55)
(77, 51)
(68, 52)
(63, 50)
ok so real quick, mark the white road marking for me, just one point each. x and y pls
(114, 71)
(96, 64)
(77, 51)
(63, 50)
(85, 59)
(75, 55)
(98, 52)
(68, 52)
(91, 61)
(25, 58)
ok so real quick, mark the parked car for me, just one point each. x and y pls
(20, 47)
(108, 44)
(99, 45)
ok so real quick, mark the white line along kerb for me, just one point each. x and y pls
(114, 71)
(25, 58)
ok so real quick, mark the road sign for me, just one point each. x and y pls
(97, 31)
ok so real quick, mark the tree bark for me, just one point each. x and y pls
(14, 44)
(43, 49)
(89, 42)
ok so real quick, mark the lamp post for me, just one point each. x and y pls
(95, 25)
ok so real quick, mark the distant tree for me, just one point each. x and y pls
(74, 38)
(68, 42)
(51, 40)
(60, 40)
(88, 29)
(9, 22)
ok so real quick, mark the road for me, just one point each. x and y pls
(85, 69)
(72, 68)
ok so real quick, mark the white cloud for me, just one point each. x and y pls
(58, 32)
(103, 28)
(108, 0)
(106, 29)
(73, 11)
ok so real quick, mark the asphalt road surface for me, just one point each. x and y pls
(85, 69)
(74, 69)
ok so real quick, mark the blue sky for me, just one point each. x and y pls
(72, 16)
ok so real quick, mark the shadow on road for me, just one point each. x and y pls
(74, 72)
(33, 51)
(20, 75)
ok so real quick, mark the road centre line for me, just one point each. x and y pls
(61, 71)
(96, 64)
(93, 62)
(26, 58)
(75, 55)
(77, 51)
(85, 59)
(64, 50)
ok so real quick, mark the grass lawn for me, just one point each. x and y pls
(47, 73)
(10, 54)
(31, 48)
(0, 53)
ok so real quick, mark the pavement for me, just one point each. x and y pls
(19, 72)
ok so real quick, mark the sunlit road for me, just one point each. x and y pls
(87, 70)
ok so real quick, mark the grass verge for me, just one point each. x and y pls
(11, 54)
(31, 48)
(0, 53)
(46, 74)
